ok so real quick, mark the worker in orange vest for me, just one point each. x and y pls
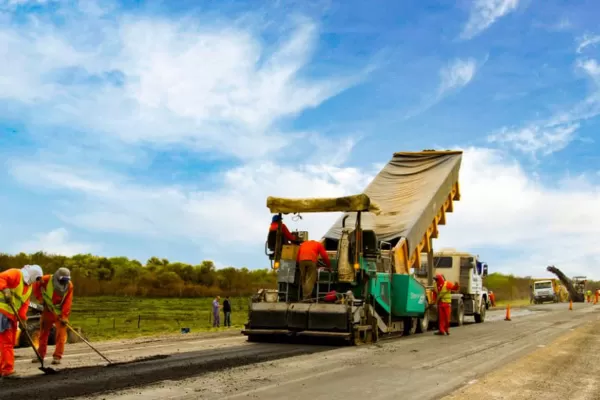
(443, 293)
(16, 288)
(56, 293)
(308, 255)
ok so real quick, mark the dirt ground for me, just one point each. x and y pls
(568, 368)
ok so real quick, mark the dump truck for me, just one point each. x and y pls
(545, 289)
(468, 271)
(373, 246)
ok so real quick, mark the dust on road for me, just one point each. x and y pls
(568, 368)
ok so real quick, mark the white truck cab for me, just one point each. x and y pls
(465, 269)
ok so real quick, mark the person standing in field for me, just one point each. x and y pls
(216, 315)
(227, 311)
(55, 292)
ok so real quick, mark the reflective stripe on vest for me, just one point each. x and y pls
(20, 296)
(445, 296)
(48, 294)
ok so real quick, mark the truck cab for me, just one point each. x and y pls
(465, 269)
(545, 290)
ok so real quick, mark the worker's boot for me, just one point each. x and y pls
(55, 361)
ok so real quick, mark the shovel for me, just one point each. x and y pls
(46, 370)
(86, 342)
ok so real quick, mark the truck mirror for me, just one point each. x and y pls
(485, 269)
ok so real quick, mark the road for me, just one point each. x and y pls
(424, 366)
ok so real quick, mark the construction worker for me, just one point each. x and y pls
(308, 254)
(56, 293)
(443, 293)
(16, 287)
(287, 236)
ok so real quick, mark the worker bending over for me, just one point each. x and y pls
(308, 254)
(16, 287)
(443, 293)
(56, 293)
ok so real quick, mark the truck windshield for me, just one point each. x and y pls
(442, 262)
(543, 285)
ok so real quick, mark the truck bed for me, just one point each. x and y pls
(414, 191)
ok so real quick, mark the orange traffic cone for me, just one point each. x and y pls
(571, 305)
(507, 313)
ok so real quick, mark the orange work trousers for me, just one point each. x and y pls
(7, 350)
(444, 317)
(49, 319)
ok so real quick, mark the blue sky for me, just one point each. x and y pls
(159, 128)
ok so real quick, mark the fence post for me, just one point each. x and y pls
(139, 320)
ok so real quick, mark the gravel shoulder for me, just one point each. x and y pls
(567, 368)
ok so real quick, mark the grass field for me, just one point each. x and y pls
(107, 317)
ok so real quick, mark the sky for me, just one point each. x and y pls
(159, 128)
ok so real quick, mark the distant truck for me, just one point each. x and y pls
(468, 271)
(548, 289)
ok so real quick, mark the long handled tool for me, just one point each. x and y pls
(46, 370)
(86, 342)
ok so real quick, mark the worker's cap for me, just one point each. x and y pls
(276, 218)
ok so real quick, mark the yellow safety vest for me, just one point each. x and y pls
(47, 295)
(20, 296)
(444, 295)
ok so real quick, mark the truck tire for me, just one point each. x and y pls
(423, 323)
(480, 317)
(460, 314)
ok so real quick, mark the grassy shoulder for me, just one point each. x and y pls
(106, 317)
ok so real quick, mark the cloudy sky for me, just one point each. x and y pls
(159, 128)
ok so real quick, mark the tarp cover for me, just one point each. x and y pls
(410, 190)
(359, 202)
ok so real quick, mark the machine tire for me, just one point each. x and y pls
(410, 326)
(479, 318)
(423, 323)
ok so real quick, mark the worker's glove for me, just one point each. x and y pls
(7, 294)
(63, 321)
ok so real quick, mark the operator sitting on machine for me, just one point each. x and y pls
(287, 236)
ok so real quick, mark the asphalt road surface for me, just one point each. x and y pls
(422, 366)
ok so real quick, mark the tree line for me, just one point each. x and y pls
(97, 276)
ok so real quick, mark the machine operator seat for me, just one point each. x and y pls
(271, 243)
(370, 248)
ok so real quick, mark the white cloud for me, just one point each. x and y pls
(236, 212)
(554, 134)
(505, 209)
(587, 40)
(214, 86)
(536, 139)
(456, 75)
(56, 241)
(484, 13)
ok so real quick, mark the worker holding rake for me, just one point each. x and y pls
(16, 288)
(56, 293)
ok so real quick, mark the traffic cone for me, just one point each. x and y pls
(571, 305)
(507, 313)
